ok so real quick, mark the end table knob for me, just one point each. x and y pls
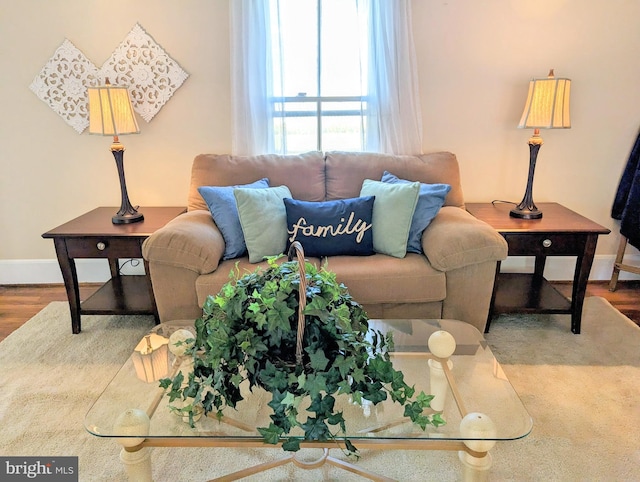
(546, 243)
(101, 246)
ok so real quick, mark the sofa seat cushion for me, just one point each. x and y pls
(385, 279)
(210, 284)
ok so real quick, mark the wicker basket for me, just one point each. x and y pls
(296, 248)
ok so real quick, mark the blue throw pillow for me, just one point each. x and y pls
(430, 199)
(331, 228)
(222, 205)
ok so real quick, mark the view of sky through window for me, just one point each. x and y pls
(319, 73)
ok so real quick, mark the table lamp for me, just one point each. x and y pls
(547, 107)
(151, 358)
(111, 114)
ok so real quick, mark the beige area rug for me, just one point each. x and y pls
(583, 392)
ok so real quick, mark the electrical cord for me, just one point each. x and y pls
(133, 262)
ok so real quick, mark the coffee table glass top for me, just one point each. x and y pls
(480, 384)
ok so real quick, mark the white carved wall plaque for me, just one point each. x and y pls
(138, 63)
(144, 66)
(62, 84)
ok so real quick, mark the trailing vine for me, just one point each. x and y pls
(248, 333)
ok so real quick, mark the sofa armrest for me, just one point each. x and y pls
(456, 239)
(191, 241)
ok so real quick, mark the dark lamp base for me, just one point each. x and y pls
(127, 213)
(525, 213)
(127, 218)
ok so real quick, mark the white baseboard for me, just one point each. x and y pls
(47, 271)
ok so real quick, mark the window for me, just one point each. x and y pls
(319, 75)
(323, 75)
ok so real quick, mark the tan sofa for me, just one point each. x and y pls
(453, 279)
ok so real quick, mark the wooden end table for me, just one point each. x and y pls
(93, 235)
(560, 232)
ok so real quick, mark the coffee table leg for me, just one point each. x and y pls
(137, 464)
(135, 457)
(438, 383)
(476, 465)
(442, 345)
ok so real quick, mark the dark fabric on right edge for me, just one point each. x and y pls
(626, 205)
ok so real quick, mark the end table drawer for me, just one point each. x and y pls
(547, 244)
(104, 247)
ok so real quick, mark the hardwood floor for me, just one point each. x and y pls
(20, 303)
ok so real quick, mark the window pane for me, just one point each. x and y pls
(341, 68)
(341, 133)
(298, 133)
(308, 80)
(297, 54)
(342, 126)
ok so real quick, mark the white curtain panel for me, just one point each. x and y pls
(251, 78)
(392, 117)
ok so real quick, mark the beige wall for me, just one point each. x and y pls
(475, 59)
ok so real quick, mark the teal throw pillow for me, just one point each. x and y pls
(392, 214)
(263, 219)
(331, 228)
(430, 200)
(222, 205)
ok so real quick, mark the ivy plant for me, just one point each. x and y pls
(248, 333)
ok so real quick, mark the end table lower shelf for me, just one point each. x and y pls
(526, 293)
(122, 295)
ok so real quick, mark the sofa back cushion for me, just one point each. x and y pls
(345, 172)
(303, 174)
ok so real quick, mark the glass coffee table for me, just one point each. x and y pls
(472, 392)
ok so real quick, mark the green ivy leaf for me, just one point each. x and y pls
(272, 434)
(437, 420)
(236, 379)
(315, 429)
(315, 384)
(292, 444)
(278, 316)
(424, 400)
(343, 317)
(337, 419)
(358, 375)
(350, 447)
(318, 360)
(273, 378)
(380, 369)
(302, 378)
(322, 406)
(289, 399)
